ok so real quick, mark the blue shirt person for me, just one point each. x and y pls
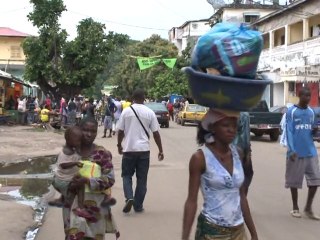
(302, 159)
(300, 125)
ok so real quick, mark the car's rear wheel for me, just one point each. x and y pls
(182, 122)
(274, 136)
(258, 134)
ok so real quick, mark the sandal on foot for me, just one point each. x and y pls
(311, 215)
(108, 202)
(82, 213)
(56, 203)
(295, 213)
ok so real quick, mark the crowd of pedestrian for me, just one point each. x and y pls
(221, 168)
(68, 111)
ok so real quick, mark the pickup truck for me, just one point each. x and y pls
(262, 121)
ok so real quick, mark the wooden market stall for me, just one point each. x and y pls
(11, 88)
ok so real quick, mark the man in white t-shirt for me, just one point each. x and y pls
(22, 107)
(135, 148)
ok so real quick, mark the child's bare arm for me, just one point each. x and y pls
(70, 165)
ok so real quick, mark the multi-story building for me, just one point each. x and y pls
(242, 13)
(189, 32)
(12, 58)
(12, 61)
(291, 54)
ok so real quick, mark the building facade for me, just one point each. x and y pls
(291, 54)
(12, 61)
(12, 58)
(12, 66)
(242, 13)
(189, 32)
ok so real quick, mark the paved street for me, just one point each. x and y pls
(167, 189)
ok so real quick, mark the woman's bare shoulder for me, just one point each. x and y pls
(197, 160)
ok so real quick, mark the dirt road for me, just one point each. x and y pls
(21, 142)
(18, 143)
(167, 189)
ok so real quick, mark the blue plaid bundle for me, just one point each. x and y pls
(232, 50)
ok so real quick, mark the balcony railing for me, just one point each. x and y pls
(293, 55)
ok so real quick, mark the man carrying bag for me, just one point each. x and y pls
(133, 142)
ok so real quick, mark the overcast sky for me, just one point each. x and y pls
(139, 19)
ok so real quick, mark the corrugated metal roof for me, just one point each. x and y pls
(9, 32)
(5, 74)
(10, 77)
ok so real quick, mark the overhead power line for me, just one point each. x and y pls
(14, 10)
(119, 23)
(170, 9)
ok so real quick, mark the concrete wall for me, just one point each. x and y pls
(7, 46)
(278, 94)
(278, 35)
(266, 41)
(312, 7)
(315, 20)
(182, 35)
(195, 29)
(237, 15)
(296, 32)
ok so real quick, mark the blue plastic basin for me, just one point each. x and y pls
(225, 92)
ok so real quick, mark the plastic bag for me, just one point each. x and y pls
(232, 50)
(90, 170)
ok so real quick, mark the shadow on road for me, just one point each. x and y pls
(262, 139)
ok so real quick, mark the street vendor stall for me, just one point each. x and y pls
(11, 88)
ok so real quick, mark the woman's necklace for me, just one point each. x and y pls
(225, 158)
(222, 157)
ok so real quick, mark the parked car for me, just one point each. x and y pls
(279, 109)
(263, 121)
(192, 113)
(161, 112)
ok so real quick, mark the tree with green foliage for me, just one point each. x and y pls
(61, 67)
(114, 58)
(159, 80)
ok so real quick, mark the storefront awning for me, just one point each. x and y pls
(7, 76)
(16, 80)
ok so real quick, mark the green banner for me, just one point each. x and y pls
(170, 62)
(145, 63)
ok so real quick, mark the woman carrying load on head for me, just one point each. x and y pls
(216, 169)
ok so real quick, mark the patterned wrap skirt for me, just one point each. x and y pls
(209, 231)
